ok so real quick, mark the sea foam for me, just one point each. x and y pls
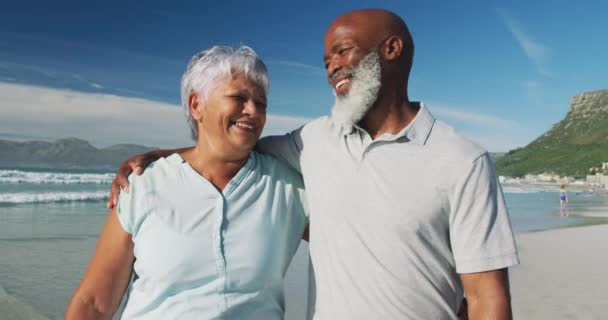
(18, 176)
(24, 197)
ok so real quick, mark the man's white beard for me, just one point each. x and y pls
(350, 108)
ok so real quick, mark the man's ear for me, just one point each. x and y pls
(392, 48)
(195, 106)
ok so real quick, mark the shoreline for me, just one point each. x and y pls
(13, 309)
(562, 274)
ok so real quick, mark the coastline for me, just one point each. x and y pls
(13, 309)
(562, 274)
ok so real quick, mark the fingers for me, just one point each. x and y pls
(114, 192)
(122, 179)
(138, 170)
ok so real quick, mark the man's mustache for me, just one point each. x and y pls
(341, 73)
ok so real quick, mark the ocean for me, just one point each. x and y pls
(50, 221)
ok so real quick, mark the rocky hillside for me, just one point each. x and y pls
(571, 146)
(65, 153)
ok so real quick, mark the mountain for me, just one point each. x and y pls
(571, 146)
(65, 153)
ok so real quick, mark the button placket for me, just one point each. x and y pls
(218, 241)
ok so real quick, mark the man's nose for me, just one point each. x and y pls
(333, 67)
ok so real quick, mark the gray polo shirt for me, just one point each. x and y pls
(393, 221)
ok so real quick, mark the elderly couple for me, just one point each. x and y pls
(406, 216)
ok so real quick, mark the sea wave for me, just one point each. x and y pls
(18, 176)
(511, 189)
(24, 197)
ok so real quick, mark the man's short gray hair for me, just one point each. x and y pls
(217, 63)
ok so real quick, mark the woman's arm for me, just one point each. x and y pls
(107, 277)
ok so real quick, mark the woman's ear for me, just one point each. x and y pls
(195, 106)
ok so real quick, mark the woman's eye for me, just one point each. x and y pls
(239, 98)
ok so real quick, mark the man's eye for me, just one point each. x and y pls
(239, 98)
(343, 51)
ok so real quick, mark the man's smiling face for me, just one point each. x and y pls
(343, 53)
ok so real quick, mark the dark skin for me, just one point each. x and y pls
(348, 39)
(354, 35)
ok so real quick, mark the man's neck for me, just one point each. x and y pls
(217, 170)
(390, 114)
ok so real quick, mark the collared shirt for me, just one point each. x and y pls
(394, 220)
(205, 254)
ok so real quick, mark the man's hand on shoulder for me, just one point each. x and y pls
(136, 165)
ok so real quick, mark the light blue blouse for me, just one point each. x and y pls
(202, 254)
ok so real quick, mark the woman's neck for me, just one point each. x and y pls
(217, 170)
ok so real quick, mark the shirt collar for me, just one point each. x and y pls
(417, 131)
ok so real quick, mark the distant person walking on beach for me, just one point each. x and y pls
(563, 201)
(406, 215)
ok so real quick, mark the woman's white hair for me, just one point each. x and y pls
(217, 63)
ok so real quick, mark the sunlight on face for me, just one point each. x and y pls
(233, 116)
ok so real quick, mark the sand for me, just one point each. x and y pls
(563, 274)
(12, 309)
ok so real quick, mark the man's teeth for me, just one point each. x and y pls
(341, 83)
(244, 125)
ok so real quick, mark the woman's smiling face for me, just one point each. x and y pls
(233, 116)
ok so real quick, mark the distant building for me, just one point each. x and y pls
(597, 179)
(548, 177)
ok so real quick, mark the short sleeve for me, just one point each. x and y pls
(480, 229)
(301, 203)
(129, 205)
(287, 147)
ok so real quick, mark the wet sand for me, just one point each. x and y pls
(563, 274)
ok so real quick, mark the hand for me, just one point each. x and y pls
(136, 165)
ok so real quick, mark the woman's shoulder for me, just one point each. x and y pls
(269, 165)
(158, 172)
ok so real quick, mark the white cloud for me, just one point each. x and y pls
(472, 118)
(96, 85)
(492, 132)
(308, 69)
(102, 119)
(29, 111)
(537, 52)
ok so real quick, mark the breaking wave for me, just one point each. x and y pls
(18, 176)
(24, 197)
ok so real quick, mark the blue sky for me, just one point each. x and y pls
(502, 72)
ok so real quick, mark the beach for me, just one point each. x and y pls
(563, 274)
(50, 221)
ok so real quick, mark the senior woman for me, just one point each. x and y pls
(208, 232)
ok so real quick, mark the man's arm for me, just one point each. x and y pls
(488, 295)
(287, 147)
(137, 165)
(107, 277)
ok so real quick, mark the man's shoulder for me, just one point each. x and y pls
(445, 139)
(321, 126)
(267, 164)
